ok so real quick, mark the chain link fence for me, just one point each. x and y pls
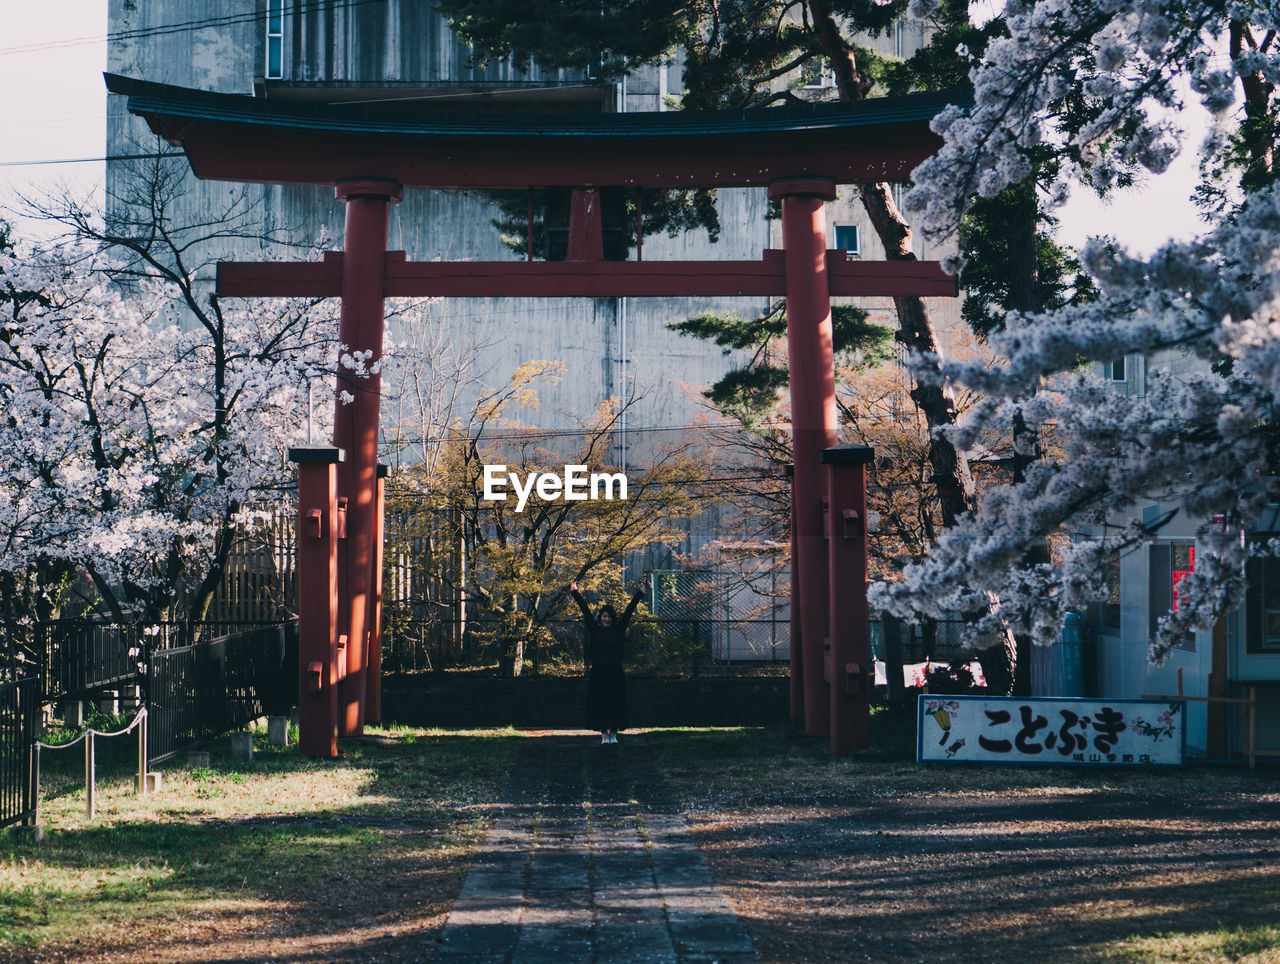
(693, 622)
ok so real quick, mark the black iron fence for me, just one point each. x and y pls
(661, 645)
(80, 657)
(196, 692)
(938, 640)
(84, 658)
(19, 713)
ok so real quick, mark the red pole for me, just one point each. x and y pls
(586, 226)
(317, 600)
(850, 671)
(355, 424)
(813, 417)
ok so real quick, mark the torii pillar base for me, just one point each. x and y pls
(847, 665)
(319, 666)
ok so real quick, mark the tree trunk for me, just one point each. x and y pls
(894, 684)
(915, 329)
(1024, 295)
(511, 663)
(999, 665)
(202, 598)
(1258, 128)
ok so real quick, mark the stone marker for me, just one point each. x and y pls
(242, 745)
(278, 730)
(73, 713)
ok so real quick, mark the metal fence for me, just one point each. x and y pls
(80, 657)
(196, 692)
(19, 712)
(84, 658)
(938, 640)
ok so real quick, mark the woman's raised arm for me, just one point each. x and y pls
(631, 606)
(582, 603)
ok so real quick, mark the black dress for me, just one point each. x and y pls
(606, 682)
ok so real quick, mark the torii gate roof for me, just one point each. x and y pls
(235, 137)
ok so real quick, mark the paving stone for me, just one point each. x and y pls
(710, 935)
(634, 942)
(470, 938)
(563, 942)
(588, 860)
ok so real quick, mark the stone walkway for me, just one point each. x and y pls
(587, 861)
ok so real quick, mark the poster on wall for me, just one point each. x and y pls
(1070, 732)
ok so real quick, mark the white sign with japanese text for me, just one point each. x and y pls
(956, 729)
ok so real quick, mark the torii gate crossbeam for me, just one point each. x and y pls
(370, 154)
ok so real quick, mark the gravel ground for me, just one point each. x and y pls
(887, 861)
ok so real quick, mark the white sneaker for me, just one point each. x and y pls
(604, 737)
(613, 737)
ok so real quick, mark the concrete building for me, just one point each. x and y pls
(402, 52)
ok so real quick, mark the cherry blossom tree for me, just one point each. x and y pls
(132, 447)
(221, 387)
(1103, 84)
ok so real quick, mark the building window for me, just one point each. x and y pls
(1115, 370)
(275, 39)
(1262, 602)
(847, 238)
(1171, 562)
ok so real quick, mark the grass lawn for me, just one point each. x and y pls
(874, 858)
(264, 856)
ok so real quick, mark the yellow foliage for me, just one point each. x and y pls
(512, 567)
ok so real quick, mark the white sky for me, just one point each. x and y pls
(1143, 217)
(52, 55)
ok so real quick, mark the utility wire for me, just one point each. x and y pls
(550, 433)
(90, 160)
(300, 7)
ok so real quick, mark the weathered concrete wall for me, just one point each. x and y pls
(400, 52)
(402, 44)
(605, 343)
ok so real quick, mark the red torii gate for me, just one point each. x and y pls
(370, 154)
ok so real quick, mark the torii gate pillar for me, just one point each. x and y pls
(847, 665)
(813, 420)
(355, 430)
